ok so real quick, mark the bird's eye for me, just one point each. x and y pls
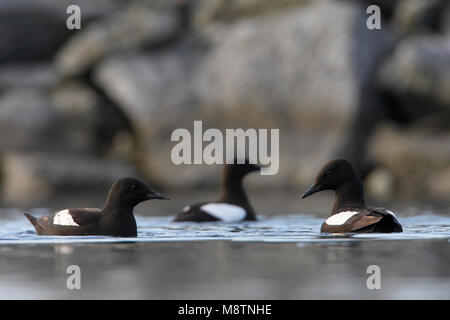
(327, 173)
(133, 186)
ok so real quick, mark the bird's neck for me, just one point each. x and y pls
(233, 190)
(350, 195)
(115, 207)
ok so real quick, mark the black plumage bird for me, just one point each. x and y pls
(115, 219)
(349, 212)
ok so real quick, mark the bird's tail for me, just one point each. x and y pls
(32, 219)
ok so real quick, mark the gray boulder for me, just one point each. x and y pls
(31, 178)
(32, 30)
(71, 118)
(208, 11)
(139, 86)
(309, 65)
(27, 75)
(418, 75)
(309, 62)
(28, 121)
(419, 16)
(446, 20)
(89, 120)
(134, 27)
(301, 70)
(417, 159)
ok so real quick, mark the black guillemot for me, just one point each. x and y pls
(350, 213)
(233, 205)
(115, 219)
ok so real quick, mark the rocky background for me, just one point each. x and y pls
(81, 108)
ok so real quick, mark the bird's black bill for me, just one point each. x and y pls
(312, 190)
(157, 195)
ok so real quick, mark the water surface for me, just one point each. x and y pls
(278, 257)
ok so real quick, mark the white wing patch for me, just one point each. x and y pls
(63, 218)
(340, 218)
(225, 212)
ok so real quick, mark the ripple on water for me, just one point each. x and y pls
(15, 229)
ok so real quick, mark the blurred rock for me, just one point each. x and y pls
(206, 11)
(139, 86)
(27, 75)
(292, 71)
(388, 7)
(28, 121)
(417, 76)
(32, 177)
(137, 26)
(78, 107)
(138, 70)
(418, 16)
(123, 146)
(446, 20)
(293, 65)
(304, 69)
(417, 159)
(439, 183)
(380, 184)
(72, 118)
(411, 88)
(76, 100)
(90, 9)
(90, 121)
(32, 30)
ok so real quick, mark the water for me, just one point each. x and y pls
(300, 228)
(278, 257)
